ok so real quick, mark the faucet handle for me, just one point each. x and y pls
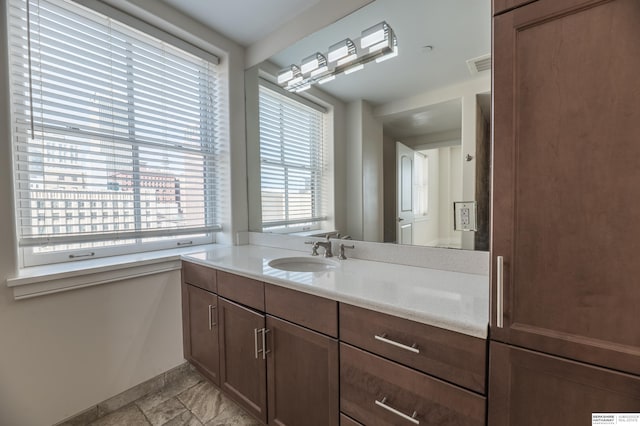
(314, 249)
(343, 246)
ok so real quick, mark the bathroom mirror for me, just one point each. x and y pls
(410, 135)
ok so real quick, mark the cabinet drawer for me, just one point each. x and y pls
(314, 312)
(200, 276)
(242, 290)
(451, 356)
(376, 391)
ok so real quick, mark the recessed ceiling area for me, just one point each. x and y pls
(439, 118)
(244, 21)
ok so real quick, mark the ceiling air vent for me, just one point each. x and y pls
(479, 64)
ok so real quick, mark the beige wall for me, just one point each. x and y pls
(65, 352)
(62, 353)
(364, 173)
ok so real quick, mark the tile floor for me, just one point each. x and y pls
(189, 401)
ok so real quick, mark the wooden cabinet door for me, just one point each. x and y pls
(565, 179)
(303, 376)
(200, 330)
(527, 388)
(242, 367)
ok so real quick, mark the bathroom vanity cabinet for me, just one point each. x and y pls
(565, 233)
(282, 372)
(293, 358)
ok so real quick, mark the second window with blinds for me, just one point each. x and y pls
(292, 163)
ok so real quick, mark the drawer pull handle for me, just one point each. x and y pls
(411, 418)
(499, 291)
(413, 348)
(255, 342)
(265, 351)
(211, 322)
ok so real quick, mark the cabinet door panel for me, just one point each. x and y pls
(566, 173)
(242, 374)
(200, 330)
(302, 376)
(527, 388)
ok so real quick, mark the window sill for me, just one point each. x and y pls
(49, 279)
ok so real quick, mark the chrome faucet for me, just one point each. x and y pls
(326, 245)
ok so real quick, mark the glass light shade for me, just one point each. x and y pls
(319, 71)
(388, 55)
(295, 80)
(393, 54)
(354, 68)
(310, 63)
(341, 49)
(287, 74)
(374, 35)
(303, 88)
(347, 59)
(327, 79)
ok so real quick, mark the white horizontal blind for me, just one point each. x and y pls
(115, 132)
(291, 162)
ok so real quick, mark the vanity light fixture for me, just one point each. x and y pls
(393, 53)
(376, 37)
(313, 63)
(341, 50)
(287, 75)
(377, 43)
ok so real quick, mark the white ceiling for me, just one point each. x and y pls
(244, 21)
(458, 30)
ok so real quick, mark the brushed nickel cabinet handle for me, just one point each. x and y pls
(386, 406)
(212, 322)
(255, 341)
(264, 343)
(210, 317)
(499, 291)
(383, 338)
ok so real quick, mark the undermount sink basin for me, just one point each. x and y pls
(304, 264)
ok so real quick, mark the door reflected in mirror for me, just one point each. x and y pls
(402, 140)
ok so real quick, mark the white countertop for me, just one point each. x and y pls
(451, 300)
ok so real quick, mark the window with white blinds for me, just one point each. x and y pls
(291, 163)
(116, 145)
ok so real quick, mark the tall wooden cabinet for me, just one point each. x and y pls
(566, 164)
